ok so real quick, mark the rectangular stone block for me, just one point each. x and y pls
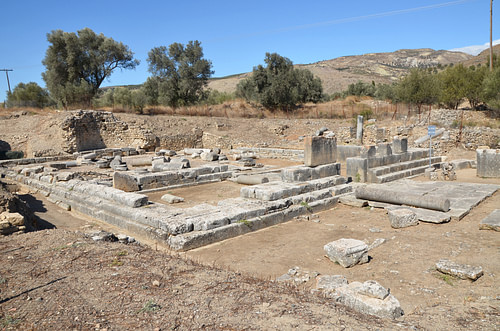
(302, 174)
(488, 163)
(125, 182)
(319, 150)
(357, 169)
(384, 149)
(399, 145)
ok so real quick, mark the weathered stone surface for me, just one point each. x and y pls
(15, 219)
(491, 222)
(137, 161)
(376, 193)
(399, 145)
(384, 149)
(365, 298)
(359, 129)
(351, 200)
(357, 169)
(347, 252)
(402, 218)
(330, 282)
(425, 215)
(302, 173)
(463, 271)
(252, 179)
(64, 176)
(488, 163)
(373, 289)
(169, 198)
(319, 150)
(247, 162)
(125, 182)
(209, 156)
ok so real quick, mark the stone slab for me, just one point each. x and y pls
(319, 150)
(463, 271)
(351, 200)
(488, 163)
(425, 215)
(491, 222)
(355, 296)
(402, 218)
(347, 252)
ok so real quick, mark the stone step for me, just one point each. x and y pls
(403, 174)
(279, 190)
(400, 166)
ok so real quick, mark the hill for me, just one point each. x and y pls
(336, 74)
(483, 57)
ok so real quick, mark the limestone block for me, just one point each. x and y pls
(357, 169)
(491, 222)
(15, 219)
(384, 149)
(65, 176)
(247, 162)
(347, 252)
(209, 156)
(330, 282)
(252, 179)
(319, 150)
(402, 218)
(355, 296)
(89, 156)
(125, 182)
(488, 163)
(463, 271)
(169, 198)
(399, 145)
(373, 289)
(350, 200)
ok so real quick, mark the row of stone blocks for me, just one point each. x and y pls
(358, 167)
(278, 190)
(400, 170)
(135, 181)
(182, 229)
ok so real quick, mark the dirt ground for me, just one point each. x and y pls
(59, 278)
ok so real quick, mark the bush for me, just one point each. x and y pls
(11, 155)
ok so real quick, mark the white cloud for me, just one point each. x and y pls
(475, 49)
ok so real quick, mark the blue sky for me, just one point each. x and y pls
(235, 35)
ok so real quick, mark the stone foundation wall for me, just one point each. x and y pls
(88, 130)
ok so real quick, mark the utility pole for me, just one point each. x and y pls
(7, 74)
(491, 35)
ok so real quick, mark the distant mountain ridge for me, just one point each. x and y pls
(336, 74)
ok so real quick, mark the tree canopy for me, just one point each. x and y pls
(179, 74)
(419, 87)
(78, 63)
(28, 95)
(280, 85)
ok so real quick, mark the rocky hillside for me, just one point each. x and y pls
(338, 73)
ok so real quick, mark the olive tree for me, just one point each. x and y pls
(419, 87)
(179, 74)
(279, 85)
(78, 63)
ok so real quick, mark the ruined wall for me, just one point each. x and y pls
(86, 130)
(15, 215)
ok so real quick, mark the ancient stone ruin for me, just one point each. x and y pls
(115, 184)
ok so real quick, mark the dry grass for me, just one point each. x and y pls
(350, 107)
